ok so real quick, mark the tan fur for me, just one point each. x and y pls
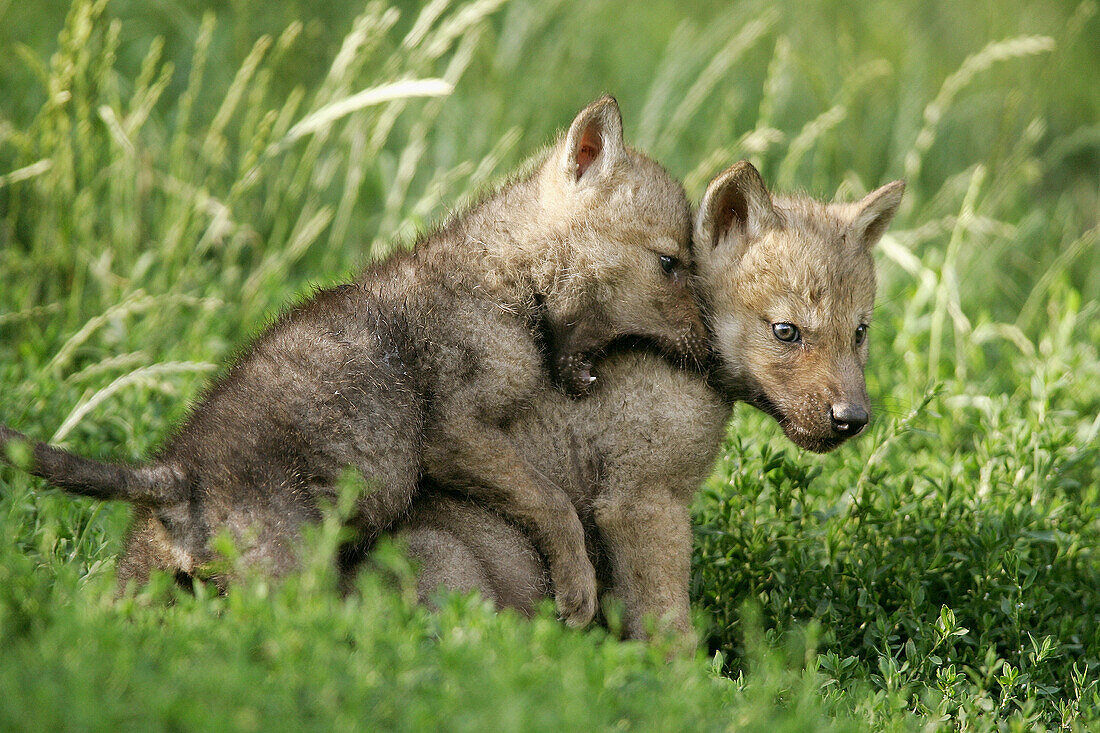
(792, 260)
(632, 455)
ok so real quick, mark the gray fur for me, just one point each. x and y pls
(419, 367)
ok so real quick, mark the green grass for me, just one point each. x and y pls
(157, 206)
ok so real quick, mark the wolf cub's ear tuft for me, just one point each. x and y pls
(874, 213)
(594, 141)
(736, 200)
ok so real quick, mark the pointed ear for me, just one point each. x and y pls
(594, 142)
(874, 212)
(735, 201)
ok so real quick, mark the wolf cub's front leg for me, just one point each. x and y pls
(574, 343)
(467, 446)
(483, 461)
(573, 371)
(647, 537)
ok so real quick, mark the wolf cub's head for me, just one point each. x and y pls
(789, 285)
(626, 226)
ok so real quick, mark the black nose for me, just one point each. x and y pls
(848, 420)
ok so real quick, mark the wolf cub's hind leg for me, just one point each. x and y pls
(147, 548)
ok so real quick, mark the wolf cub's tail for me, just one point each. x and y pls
(151, 485)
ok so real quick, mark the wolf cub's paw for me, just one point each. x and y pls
(575, 594)
(574, 373)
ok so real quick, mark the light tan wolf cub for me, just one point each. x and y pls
(788, 288)
(418, 367)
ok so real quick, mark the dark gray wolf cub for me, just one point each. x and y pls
(418, 367)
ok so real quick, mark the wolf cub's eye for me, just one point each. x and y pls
(786, 332)
(861, 334)
(668, 264)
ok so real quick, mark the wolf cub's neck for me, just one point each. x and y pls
(502, 249)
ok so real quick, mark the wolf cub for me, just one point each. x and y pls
(418, 367)
(788, 286)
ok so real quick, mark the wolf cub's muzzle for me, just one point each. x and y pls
(848, 420)
(692, 342)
